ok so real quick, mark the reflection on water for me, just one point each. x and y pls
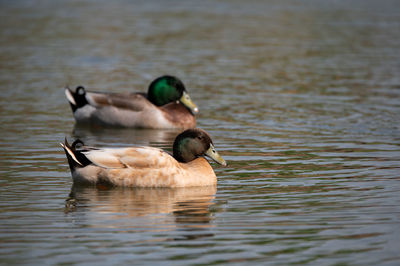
(188, 205)
(145, 210)
(302, 99)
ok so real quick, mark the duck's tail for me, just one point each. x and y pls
(75, 158)
(76, 99)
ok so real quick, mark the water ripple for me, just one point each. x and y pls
(302, 100)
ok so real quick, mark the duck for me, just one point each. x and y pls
(144, 166)
(166, 105)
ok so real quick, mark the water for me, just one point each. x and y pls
(301, 99)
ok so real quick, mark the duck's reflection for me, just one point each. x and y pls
(189, 207)
(96, 135)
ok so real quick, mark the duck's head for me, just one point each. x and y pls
(193, 143)
(168, 89)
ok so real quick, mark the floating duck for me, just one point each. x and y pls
(146, 166)
(166, 105)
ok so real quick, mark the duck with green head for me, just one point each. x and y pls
(166, 105)
(147, 166)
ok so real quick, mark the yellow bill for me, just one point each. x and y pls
(186, 101)
(213, 154)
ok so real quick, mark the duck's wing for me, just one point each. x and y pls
(130, 101)
(136, 158)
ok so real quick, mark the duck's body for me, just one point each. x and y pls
(145, 166)
(167, 105)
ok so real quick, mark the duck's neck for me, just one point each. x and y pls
(179, 115)
(198, 173)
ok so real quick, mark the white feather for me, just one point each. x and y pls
(71, 154)
(84, 113)
(69, 96)
(104, 158)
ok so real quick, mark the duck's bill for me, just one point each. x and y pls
(186, 101)
(213, 154)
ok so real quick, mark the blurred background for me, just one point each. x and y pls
(301, 99)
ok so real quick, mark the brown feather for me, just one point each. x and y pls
(178, 114)
(130, 101)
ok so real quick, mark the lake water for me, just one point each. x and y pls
(302, 98)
